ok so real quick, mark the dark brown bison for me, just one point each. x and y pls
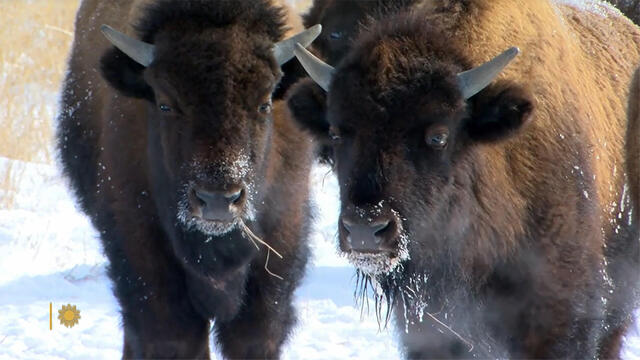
(341, 21)
(485, 194)
(195, 179)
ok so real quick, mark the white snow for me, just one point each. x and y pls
(50, 253)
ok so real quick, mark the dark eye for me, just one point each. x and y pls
(265, 108)
(437, 139)
(334, 134)
(164, 108)
(336, 35)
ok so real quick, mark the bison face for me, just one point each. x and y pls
(208, 96)
(212, 138)
(214, 121)
(405, 139)
(340, 21)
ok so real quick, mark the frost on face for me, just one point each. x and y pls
(380, 264)
(233, 171)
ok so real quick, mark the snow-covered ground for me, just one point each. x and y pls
(50, 253)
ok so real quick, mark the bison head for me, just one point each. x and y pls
(208, 83)
(341, 21)
(406, 123)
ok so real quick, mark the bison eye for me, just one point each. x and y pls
(265, 108)
(164, 108)
(336, 35)
(438, 138)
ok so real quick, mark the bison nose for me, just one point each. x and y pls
(218, 205)
(371, 237)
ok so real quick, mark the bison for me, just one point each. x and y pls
(341, 21)
(197, 181)
(483, 194)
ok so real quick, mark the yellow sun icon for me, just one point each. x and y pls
(68, 315)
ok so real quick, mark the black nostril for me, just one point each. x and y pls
(379, 228)
(217, 205)
(347, 225)
(235, 197)
(200, 197)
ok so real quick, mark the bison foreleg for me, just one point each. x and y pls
(263, 323)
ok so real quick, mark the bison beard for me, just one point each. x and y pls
(196, 181)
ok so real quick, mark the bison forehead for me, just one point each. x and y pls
(401, 56)
(217, 63)
(394, 105)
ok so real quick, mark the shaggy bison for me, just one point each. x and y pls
(484, 193)
(342, 20)
(195, 179)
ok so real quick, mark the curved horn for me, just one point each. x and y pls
(473, 81)
(319, 71)
(140, 51)
(283, 50)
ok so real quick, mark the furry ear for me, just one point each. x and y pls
(499, 112)
(307, 103)
(125, 75)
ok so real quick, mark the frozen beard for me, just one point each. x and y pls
(207, 227)
(382, 263)
(234, 171)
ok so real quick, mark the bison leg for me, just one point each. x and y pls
(164, 329)
(155, 344)
(264, 321)
(267, 315)
(158, 318)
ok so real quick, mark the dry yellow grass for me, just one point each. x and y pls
(34, 40)
(35, 36)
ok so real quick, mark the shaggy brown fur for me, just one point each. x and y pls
(341, 21)
(518, 232)
(133, 166)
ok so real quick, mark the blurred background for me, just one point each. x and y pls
(35, 36)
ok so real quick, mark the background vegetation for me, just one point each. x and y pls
(35, 36)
